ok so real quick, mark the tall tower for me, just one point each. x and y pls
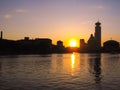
(98, 33)
(1, 35)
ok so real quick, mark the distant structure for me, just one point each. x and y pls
(94, 42)
(1, 35)
(26, 38)
(44, 44)
(111, 46)
(60, 47)
(36, 46)
(60, 43)
(98, 33)
(82, 43)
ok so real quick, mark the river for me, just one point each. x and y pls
(73, 71)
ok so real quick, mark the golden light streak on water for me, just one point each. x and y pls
(72, 60)
(72, 63)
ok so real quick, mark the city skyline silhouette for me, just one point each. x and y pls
(45, 45)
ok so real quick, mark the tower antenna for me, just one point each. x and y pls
(2, 28)
(98, 20)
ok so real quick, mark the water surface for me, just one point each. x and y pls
(60, 72)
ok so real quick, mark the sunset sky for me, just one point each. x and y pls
(59, 19)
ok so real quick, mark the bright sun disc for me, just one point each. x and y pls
(73, 43)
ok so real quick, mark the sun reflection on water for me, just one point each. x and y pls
(72, 63)
(72, 60)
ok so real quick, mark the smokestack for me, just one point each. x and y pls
(1, 35)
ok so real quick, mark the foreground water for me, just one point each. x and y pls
(60, 72)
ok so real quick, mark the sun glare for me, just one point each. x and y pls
(73, 43)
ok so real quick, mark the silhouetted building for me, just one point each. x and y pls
(94, 42)
(82, 43)
(7, 46)
(60, 48)
(98, 33)
(111, 46)
(43, 45)
(83, 46)
(44, 41)
(60, 43)
(1, 35)
(26, 38)
(37, 46)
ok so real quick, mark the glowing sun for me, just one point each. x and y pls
(73, 43)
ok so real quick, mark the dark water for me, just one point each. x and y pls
(60, 72)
